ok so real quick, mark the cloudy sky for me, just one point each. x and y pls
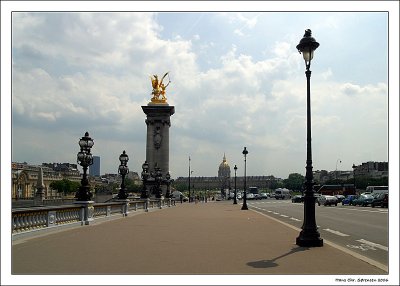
(236, 80)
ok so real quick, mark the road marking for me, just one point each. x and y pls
(376, 211)
(344, 249)
(373, 244)
(295, 219)
(335, 232)
(284, 215)
(275, 213)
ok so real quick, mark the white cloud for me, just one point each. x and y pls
(91, 72)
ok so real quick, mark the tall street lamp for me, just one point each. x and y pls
(354, 175)
(309, 236)
(85, 159)
(235, 200)
(340, 161)
(190, 198)
(123, 170)
(145, 176)
(244, 206)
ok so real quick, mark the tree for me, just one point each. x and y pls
(65, 186)
(295, 181)
(131, 187)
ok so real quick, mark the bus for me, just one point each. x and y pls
(253, 190)
(282, 194)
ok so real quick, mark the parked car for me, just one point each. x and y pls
(385, 201)
(327, 200)
(264, 196)
(340, 198)
(250, 196)
(362, 200)
(378, 199)
(257, 197)
(297, 199)
(348, 199)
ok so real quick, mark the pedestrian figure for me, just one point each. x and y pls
(181, 197)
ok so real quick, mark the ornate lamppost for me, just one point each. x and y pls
(244, 206)
(157, 175)
(85, 159)
(145, 176)
(168, 182)
(235, 200)
(123, 170)
(309, 236)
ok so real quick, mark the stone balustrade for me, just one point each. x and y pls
(29, 220)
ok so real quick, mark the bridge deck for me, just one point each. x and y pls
(202, 238)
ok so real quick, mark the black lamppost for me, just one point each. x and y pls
(309, 236)
(190, 198)
(244, 206)
(123, 170)
(157, 175)
(354, 175)
(85, 159)
(168, 183)
(145, 176)
(235, 200)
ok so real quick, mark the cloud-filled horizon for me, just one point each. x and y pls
(236, 80)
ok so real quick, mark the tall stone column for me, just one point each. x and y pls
(158, 121)
(157, 145)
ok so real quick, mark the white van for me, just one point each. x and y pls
(377, 189)
(282, 194)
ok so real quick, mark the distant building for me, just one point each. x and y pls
(25, 176)
(94, 169)
(224, 180)
(372, 169)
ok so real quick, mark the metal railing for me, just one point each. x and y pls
(32, 219)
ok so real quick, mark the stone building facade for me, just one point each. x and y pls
(224, 180)
(24, 178)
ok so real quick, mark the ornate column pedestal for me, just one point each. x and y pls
(125, 206)
(88, 211)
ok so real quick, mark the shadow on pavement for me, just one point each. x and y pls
(271, 263)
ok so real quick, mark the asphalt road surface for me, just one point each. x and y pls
(364, 230)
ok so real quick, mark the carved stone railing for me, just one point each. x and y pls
(25, 220)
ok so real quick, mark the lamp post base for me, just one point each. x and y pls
(307, 239)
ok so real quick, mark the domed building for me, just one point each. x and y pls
(224, 171)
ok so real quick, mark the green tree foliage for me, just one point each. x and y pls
(295, 181)
(180, 187)
(65, 186)
(131, 187)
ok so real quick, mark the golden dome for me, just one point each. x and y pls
(224, 164)
(224, 169)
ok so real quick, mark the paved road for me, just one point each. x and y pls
(186, 239)
(361, 229)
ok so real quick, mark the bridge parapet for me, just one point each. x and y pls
(35, 220)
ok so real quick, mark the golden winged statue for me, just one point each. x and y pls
(159, 89)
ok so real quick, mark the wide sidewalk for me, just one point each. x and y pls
(202, 238)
